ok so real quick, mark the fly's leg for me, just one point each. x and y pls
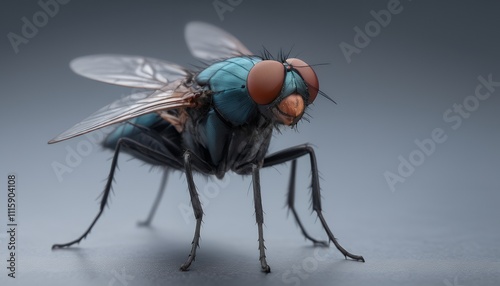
(198, 211)
(259, 216)
(134, 146)
(292, 154)
(291, 206)
(159, 195)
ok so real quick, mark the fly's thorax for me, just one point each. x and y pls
(248, 145)
(226, 81)
(226, 147)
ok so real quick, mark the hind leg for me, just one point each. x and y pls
(133, 146)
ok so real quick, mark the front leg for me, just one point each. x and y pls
(259, 217)
(292, 154)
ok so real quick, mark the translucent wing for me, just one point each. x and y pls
(132, 71)
(172, 96)
(211, 43)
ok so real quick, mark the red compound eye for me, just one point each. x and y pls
(265, 81)
(309, 76)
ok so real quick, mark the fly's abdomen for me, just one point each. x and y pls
(129, 130)
(227, 81)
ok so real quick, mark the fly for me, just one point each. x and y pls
(211, 121)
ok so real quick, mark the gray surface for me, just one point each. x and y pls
(439, 227)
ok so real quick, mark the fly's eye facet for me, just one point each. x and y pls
(265, 81)
(308, 74)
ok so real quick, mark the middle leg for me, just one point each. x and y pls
(198, 211)
(159, 195)
(291, 206)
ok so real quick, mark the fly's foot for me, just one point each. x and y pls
(358, 258)
(185, 266)
(266, 268)
(144, 223)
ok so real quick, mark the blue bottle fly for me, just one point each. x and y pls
(212, 121)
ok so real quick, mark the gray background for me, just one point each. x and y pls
(439, 227)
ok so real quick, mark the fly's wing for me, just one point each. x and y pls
(174, 95)
(211, 43)
(131, 71)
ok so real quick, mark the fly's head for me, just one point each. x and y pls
(282, 90)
